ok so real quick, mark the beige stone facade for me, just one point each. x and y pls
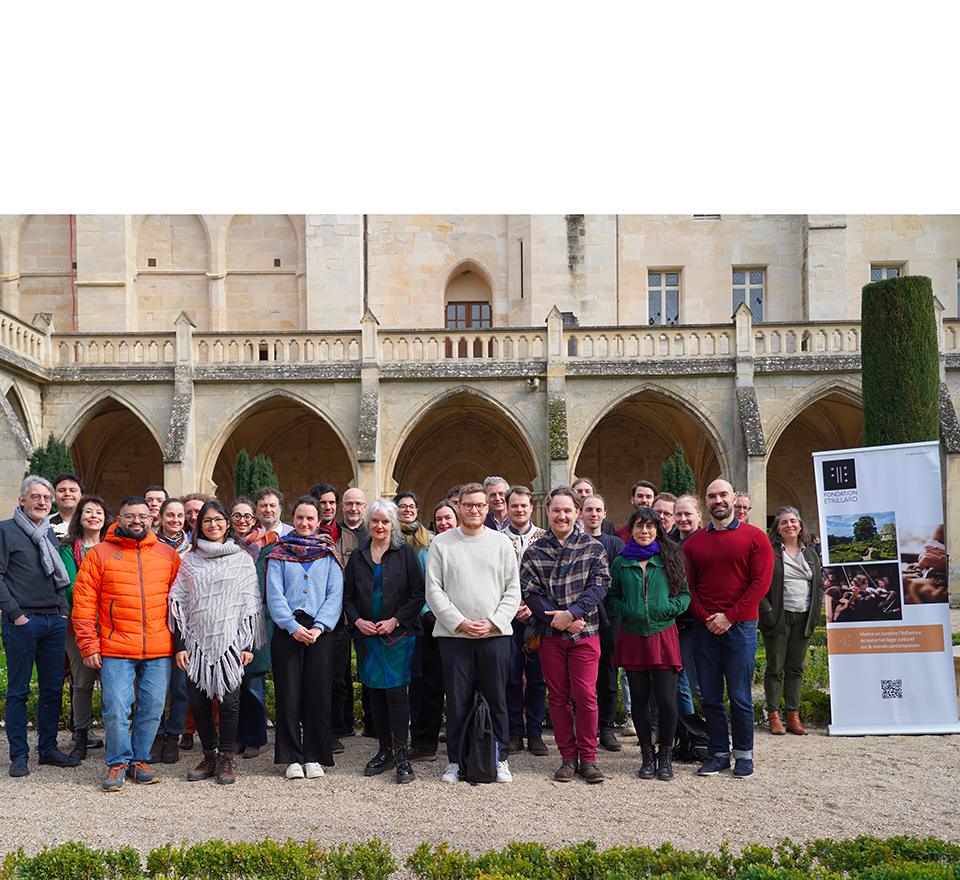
(159, 345)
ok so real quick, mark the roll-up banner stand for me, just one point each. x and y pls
(885, 590)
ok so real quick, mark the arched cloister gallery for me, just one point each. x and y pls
(460, 439)
(115, 454)
(302, 445)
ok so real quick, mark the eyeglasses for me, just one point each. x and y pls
(468, 506)
(243, 517)
(406, 507)
(215, 521)
(353, 504)
(742, 508)
(140, 517)
(40, 497)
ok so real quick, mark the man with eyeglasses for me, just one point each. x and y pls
(120, 618)
(354, 505)
(34, 624)
(742, 507)
(496, 491)
(408, 512)
(473, 588)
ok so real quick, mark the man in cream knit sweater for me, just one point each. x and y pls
(473, 588)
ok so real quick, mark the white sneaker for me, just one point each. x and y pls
(294, 771)
(629, 729)
(503, 772)
(313, 770)
(451, 774)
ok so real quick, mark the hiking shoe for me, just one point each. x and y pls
(609, 741)
(251, 752)
(516, 743)
(713, 765)
(415, 754)
(503, 772)
(114, 780)
(57, 758)
(312, 770)
(139, 771)
(591, 773)
(18, 766)
(186, 742)
(565, 772)
(156, 750)
(629, 729)
(294, 771)
(743, 768)
(338, 747)
(536, 746)
(451, 774)
(170, 753)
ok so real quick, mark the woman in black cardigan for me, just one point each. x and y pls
(789, 613)
(383, 595)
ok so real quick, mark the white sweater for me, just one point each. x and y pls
(472, 578)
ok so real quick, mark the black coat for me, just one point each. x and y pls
(403, 587)
(771, 621)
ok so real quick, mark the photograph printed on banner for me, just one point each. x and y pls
(861, 537)
(923, 564)
(862, 591)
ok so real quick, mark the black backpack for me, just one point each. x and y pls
(479, 749)
(690, 746)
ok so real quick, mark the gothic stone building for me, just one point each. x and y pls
(420, 351)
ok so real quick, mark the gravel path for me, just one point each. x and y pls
(804, 788)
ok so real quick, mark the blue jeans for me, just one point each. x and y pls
(534, 698)
(174, 720)
(729, 656)
(117, 679)
(40, 642)
(252, 720)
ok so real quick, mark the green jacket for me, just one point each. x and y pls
(772, 621)
(70, 564)
(645, 607)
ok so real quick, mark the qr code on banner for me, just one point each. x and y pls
(891, 689)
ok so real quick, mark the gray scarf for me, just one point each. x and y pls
(215, 602)
(49, 559)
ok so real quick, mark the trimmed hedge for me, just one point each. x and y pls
(900, 362)
(862, 858)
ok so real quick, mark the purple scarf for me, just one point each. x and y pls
(632, 550)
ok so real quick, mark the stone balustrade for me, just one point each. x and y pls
(514, 344)
(787, 340)
(286, 347)
(26, 340)
(112, 349)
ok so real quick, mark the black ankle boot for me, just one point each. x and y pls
(647, 770)
(404, 770)
(381, 761)
(80, 745)
(665, 763)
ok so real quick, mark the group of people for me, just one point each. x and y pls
(181, 606)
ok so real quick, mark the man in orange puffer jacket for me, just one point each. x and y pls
(120, 618)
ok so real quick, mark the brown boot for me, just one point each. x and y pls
(225, 773)
(205, 769)
(776, 725)
(794, 725)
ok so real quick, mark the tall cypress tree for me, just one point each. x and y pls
(51, 460)
(676, 475)
(241, 474)
(900, 366)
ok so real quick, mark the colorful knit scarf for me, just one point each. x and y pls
(295, 548)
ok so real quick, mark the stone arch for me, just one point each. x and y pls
(96, 400)
(827, 417)
(305, 445)
(260, 294)
(45, 263)
(461, 436)
(115, 451)
(635, 433)
(180, 244)
(15, 399)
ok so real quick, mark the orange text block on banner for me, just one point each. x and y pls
(885, 639)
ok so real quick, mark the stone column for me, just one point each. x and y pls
(180, 453)
(558, 447)
(749, 448)
(368, 439)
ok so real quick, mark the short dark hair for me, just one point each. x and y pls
(167, 502)
(401, 495)
(133, 501)
(156, 488)
(519, 490)
(453, 493)
(586, 480)
(324, 489)
(665, 496)
(470, 489)
(264, 491)
(566, 491)
(306, 499)
(646, 484)
(68, 476)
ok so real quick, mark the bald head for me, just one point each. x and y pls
(720, 500)
(354, 504)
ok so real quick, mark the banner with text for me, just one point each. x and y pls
(885, 590)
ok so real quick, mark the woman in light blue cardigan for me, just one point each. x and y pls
(304, 578)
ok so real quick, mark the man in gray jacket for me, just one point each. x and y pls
(34, 624)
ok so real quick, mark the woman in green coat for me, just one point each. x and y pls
(648, 590)
(789, 614)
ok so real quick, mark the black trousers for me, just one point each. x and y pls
(607, 688)
(341, 700)
(659, 686)
(469, 663)
(228, 711)
(391, 713)
(425, 731)
(302, 681)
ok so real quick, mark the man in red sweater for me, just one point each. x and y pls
(729, 567)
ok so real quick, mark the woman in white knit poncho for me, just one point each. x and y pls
(217, 620)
